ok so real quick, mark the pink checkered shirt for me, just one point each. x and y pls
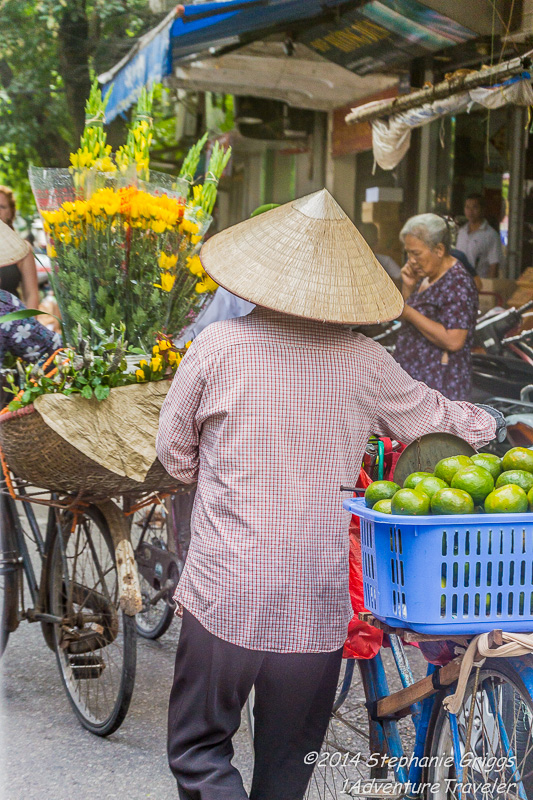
(271, 414)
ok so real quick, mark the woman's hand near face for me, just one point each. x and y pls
(410, 279)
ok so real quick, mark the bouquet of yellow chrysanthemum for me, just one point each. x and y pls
(124, 239)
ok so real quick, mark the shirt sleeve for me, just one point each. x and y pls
(494, 253)
(177, 443)
(407, 409)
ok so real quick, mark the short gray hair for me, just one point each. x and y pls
(430, 228)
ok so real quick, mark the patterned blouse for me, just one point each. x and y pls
(453, 301)
(24, 338)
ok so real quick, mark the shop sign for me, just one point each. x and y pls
(382, 33)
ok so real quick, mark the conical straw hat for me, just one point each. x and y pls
(305, 258)
(12, 247)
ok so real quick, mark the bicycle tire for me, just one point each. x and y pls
(516, 710)
(9, 575)
(153, 528)
(96, 660)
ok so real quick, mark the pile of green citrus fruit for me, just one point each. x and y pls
(461, 485)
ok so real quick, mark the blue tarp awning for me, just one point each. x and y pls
(198, 28)
(360, 37)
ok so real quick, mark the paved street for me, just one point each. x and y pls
(48, 756)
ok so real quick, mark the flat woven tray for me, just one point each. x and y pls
(36, 453)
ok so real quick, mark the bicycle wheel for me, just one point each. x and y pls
(342, 761)
(9, 574)
(95, 642)
(500, 753)
(149, 532)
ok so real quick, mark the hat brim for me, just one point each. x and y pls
(12, 248)
(305, 258)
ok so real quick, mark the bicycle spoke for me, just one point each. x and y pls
(93, 647)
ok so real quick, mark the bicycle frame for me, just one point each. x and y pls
(384, 735)
(39, 612)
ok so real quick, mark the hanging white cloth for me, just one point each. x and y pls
(391, 137)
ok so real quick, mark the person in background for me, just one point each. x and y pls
(478, 240)
(370, 232)
(20, 276)
(441, 305)
(223, 305)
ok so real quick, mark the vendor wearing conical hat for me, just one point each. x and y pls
(270, 413)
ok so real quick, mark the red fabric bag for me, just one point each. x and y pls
(363, 640)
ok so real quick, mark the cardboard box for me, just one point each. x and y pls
(380, 212)
(498, 293)
(526, 278)
(521, 296)
(386, 216)
(384, 194)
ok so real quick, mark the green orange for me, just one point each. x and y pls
(452, 501)
(380, 490)
(478, 482)
(488, 461)
(521, 477)
(412, 480)
(518, 458)
(430, 485)
(409, 502)
(506, 500)
(447, 467)
(383, 506)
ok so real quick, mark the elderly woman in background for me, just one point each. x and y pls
(22, 274)
(441, 305)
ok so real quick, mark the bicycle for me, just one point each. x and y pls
(160, 535)
(438, 582)
(487, 743)
(76, 600)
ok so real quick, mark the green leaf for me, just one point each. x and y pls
(101, 392)
(24, 313)
(15, 405)
(87, 392)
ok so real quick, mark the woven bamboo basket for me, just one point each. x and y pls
(36, 453)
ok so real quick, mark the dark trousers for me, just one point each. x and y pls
(294, 695)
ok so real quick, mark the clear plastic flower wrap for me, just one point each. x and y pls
(123, 238)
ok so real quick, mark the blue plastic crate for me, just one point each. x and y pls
(467, 573)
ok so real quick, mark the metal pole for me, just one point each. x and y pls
(519, 137)
(482, 77)
(426, 165)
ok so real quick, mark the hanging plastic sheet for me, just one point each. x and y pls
(391, 137)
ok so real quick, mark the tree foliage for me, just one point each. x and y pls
(49, 51)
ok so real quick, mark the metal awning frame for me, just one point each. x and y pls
(460, 83)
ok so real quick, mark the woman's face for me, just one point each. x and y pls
(423, 260)
(5, 209)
